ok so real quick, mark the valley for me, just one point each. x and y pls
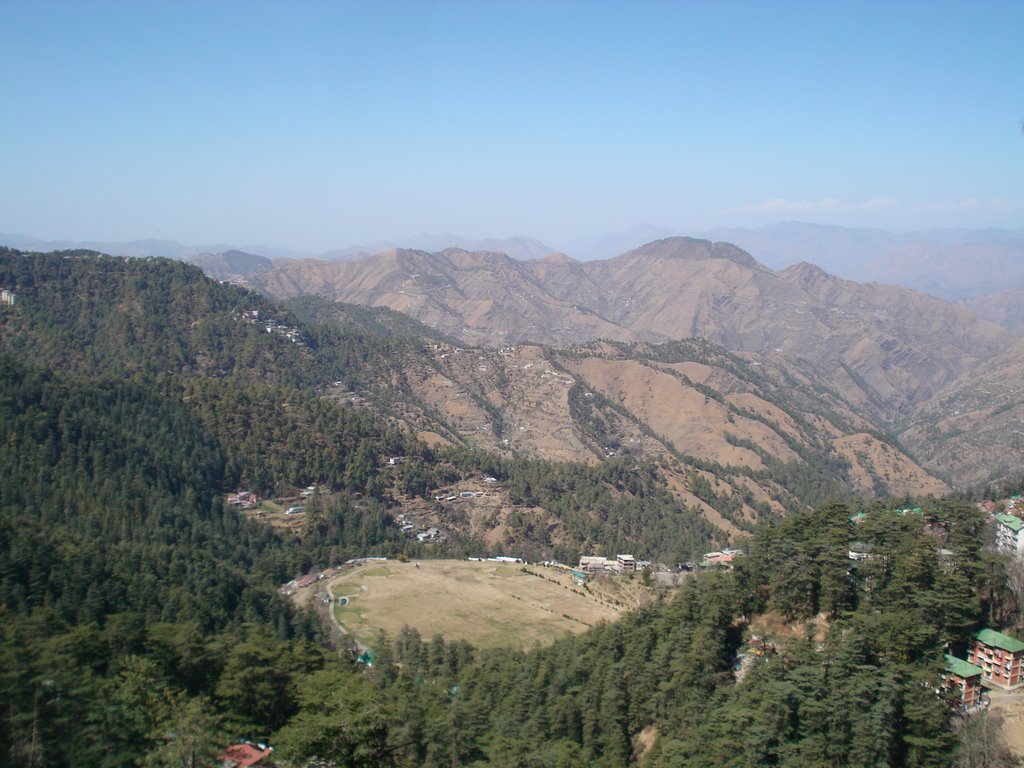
(512, 385)
(178, 448)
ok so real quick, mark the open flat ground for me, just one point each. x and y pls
(1009, 705)
(489, 604)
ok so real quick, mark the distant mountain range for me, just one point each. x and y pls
(954, 264)
(137, 248)
(521, 248)
(516, 247)
(904, 345)
(737, 442)
(1005, 308)
(951, 263)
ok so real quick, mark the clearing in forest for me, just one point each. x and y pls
(489, 604)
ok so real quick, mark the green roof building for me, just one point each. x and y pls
(961, 668)
(1000, 657)
(999, 640)
(962, 683)
(1012, 522)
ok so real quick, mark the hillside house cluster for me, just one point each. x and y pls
(466, 493)
(293, 335)
(430, 534)
(409, 528)
(860, 551)
(1000, 657)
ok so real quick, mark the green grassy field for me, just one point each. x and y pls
(489, 604)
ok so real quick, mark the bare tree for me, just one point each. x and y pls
(982, 744)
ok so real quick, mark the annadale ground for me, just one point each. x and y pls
(490, 604)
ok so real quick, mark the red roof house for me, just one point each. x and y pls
(243, 755)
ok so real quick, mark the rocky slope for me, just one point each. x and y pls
(973, 430)
(734, 440)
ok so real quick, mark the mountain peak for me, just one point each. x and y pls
(694, 249)
(231, 264)
(810, 277)
(558, 258)
(804, 272)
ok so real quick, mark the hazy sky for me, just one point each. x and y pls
(315, 125)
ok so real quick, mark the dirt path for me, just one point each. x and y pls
(338, 637)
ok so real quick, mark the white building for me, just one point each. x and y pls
(1010, 535)
(626, 562)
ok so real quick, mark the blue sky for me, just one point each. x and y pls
(316, 125)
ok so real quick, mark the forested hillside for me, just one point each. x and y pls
(141, 623)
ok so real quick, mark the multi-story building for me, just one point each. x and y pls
(961, 684)
(626, 562)
(1010, 535)
(1000, 657)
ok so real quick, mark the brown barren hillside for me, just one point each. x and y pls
(1004, 308)
(974, 429)
(884, 349)
(732, 445)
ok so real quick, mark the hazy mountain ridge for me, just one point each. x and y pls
(231, 265)
(951, 263)
(612, 244)
(519, 248)
(1004, 308)
(170, 249)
